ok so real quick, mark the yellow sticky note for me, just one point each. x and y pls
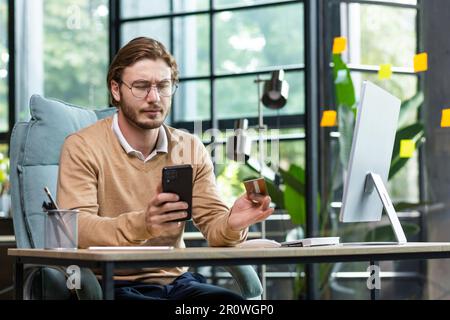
(445, 119)
(421, 62)
(328, 118)
(339, 45)
(407, 148)
(385, 71)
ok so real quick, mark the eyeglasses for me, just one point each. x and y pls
(140, 89)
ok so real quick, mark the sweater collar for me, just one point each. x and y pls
(161, 143)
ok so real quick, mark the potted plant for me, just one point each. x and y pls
(5, 197)
(289, 192)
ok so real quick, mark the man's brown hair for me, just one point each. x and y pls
(134, 51)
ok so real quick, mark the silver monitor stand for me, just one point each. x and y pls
(374, 181)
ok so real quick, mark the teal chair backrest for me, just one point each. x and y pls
(34, 152)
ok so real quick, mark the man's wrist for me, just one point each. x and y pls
(229, 227)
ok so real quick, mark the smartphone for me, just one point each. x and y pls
(178, 179)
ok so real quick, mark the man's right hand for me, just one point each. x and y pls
(158, 219)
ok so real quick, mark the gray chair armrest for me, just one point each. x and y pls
(49, 283)
(45, 283)
(90, 287)
(247, 280)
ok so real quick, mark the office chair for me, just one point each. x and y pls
(34, 153)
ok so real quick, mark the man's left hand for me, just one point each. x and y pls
(248, 210)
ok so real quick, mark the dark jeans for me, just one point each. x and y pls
(188, 286)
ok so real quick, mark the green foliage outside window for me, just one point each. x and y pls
(4, 57)
(4, 174)
(76, 51)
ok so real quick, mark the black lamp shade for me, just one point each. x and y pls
(276, 91)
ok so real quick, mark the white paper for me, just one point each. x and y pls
(130, 248)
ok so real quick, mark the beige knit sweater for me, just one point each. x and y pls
(112, 189)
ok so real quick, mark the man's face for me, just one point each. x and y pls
(148, 112)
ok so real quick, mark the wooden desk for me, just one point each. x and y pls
(107, 261)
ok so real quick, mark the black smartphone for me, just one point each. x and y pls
(178, 179)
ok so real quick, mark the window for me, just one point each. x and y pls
(63, 52)
(75, 51)
(221, 51)
(375, 33)
(217, 79)
(4, 67)
(223, 48)
(382, 32)
(143, 8)
(251, 39)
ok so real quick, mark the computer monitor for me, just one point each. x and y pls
(365, 193)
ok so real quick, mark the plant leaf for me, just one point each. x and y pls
(412, 104)
(346, 128)
(294, 193)
(345, 91)
(413, 132)
(345, 102)
(385, 233)
(219, 168)
(275, 193)
(294, 202)
(294, 177)
(405, 206)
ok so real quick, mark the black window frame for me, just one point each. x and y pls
(283, 121)
(321, 25)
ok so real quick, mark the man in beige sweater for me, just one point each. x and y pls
(111, 171)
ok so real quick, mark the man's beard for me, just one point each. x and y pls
(132, 115)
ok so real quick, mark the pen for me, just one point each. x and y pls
(53, 202)
(60, 217)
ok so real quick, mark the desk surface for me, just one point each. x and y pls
(220, 253)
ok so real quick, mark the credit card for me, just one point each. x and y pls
(256, 186)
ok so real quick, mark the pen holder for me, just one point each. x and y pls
(61, 229)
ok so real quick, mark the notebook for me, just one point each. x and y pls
(312, 242)
(308, 242)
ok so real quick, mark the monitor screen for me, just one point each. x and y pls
(371, 152)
